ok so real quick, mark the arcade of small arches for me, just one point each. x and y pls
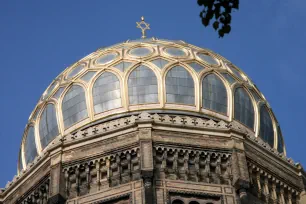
(147, 75)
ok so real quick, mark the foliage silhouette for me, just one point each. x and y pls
(219, 11)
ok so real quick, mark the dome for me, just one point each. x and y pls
(148, 74)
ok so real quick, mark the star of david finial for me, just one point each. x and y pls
(143, 26)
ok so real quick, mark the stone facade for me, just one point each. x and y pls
(159, 158)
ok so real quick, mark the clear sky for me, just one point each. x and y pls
(38, 39)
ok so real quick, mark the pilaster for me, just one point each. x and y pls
(146, 152)
(240, 170)
(57, 180)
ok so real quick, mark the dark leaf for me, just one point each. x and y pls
(216, 25)
(205, 21)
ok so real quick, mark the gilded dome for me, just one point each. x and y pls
(148, 74)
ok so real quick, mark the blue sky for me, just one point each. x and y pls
(38, 39)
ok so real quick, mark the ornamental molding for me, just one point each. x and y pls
(131, 121)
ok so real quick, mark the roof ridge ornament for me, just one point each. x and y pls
(143, 26)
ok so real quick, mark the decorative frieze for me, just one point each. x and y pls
(270, 189)
(108, 171)
(192, 165)
(39, 195)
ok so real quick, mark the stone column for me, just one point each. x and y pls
(146, 153)
(57, 182)
(281, 194)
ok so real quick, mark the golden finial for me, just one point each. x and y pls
(143, 26)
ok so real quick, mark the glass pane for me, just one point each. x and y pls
(196, 66)
(74, 106)
(20, 167)
(235, 71)
(140, 52)
(179, 86)
(229, 78)
(176, 52)
(214, 95)
(58, 93)
(122, 66)
(244, 110)
(75, 71)
(280, 141)
(30, 146)
(206, 58)
(50, 89)
(160, 63)
(106, 58)
(48, 128)
(106, 93)
(257, 98)
(266, 127)
(88, 76)
(142, 85)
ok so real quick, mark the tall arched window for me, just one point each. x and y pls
(266, 131)
(214, 95)
(48, 127)
(142, 85)
(179, 86)
(74, 106)
(280, 141)
(20, 166)
(243, 108)
(106, 93)
(30, 150)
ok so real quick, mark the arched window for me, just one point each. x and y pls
(179, 86)
(74, 106)
(30, 150)
(142, 85)
(243, 108)
(48, 127)
(106, 93)
(177, 201)
(266, 127)
(214, 95)
(280, 141)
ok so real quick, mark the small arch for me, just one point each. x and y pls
(177, 201)
(179, 86)
(194, 202)
(30, 151)
(142, 86)
(243, 107)
(214, 94)
(48, 126)
(266, 131)
(74, 107)
(106, 93)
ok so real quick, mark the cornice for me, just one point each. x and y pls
(179, 121)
